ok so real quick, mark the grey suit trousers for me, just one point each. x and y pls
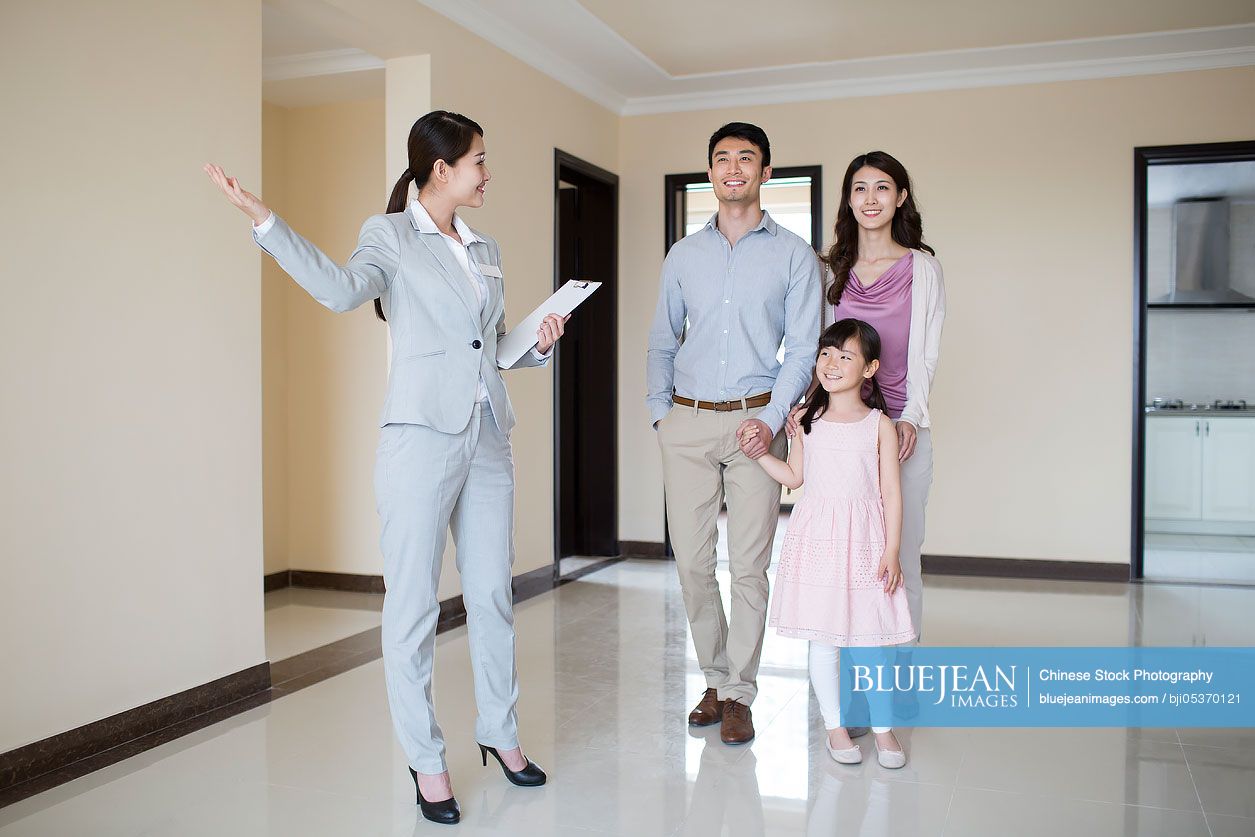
(427, 482)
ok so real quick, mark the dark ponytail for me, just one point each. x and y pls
(907, 227)
(401, 192)
(877, 397)
(834, 337)
(439, 135)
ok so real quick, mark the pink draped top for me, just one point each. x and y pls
(886, 305)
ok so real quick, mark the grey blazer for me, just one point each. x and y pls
(441, 343)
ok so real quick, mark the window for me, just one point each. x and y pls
(791, 196)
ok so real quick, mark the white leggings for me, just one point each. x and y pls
(824, 680)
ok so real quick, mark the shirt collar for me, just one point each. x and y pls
(767, 223)
(422, 220)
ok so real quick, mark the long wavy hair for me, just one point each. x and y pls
(907, 227)
(834, 337)
(439, 135)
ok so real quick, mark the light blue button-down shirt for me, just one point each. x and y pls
(739, 303)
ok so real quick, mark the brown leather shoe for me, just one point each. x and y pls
(738, 723)
(709, 710)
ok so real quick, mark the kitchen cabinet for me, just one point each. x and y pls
(1174, 468)
(1228, 469)
(1200, 468)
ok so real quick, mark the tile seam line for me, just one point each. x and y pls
(954, 789)
(1194, 784)
(1086, 799)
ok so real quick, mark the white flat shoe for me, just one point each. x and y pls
(852, 755)
(890, 759)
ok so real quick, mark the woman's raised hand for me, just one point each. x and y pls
(247, 202)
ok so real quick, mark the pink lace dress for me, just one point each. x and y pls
(826, 588)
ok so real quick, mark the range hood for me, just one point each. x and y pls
(1200, 254)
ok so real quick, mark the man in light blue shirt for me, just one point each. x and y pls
(732, 293)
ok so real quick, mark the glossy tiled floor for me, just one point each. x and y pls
(1209, 558)
(299, 620)
(607, 679)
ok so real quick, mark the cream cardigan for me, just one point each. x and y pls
(928, 313)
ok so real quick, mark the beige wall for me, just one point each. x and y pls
(330, 369)
(336, 365)
(129, 357)
(1026, 194)
(274, 353)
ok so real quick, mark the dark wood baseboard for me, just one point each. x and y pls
(642, 549)
(1024, 568)
(53, 761)
(524, 586)
(575, 575)
(344, 582)
(314, 666)
(36, 767)
(316, 580)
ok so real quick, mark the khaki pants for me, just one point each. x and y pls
(702, 465)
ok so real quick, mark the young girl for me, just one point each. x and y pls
(839, 582)
(884, 274)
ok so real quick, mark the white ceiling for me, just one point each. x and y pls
(715, 36)
(306, 65)
(284, 34)
(652, 56)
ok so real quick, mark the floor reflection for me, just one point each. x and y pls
(607, 677)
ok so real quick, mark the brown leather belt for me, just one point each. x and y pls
(761, 400)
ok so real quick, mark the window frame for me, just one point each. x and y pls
(674, 195)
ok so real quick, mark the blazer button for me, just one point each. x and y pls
(477, 345)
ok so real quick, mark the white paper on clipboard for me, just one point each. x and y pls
(522, 337)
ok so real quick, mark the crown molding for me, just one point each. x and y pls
(565, 41)
(1091, 58)
(961, 69)
(568, 43)
(485, 23)
(330, 62)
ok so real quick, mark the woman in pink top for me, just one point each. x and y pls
(884, 274)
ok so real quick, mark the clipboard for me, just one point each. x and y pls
(522, 338)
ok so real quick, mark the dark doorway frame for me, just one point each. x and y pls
(673, 213)
(1143, 158)
(569, 167)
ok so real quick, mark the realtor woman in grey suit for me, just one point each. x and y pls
(444, 456)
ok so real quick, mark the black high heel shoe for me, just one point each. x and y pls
(445, 812)
(529, 777)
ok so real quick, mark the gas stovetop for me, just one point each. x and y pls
(1177, 405)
